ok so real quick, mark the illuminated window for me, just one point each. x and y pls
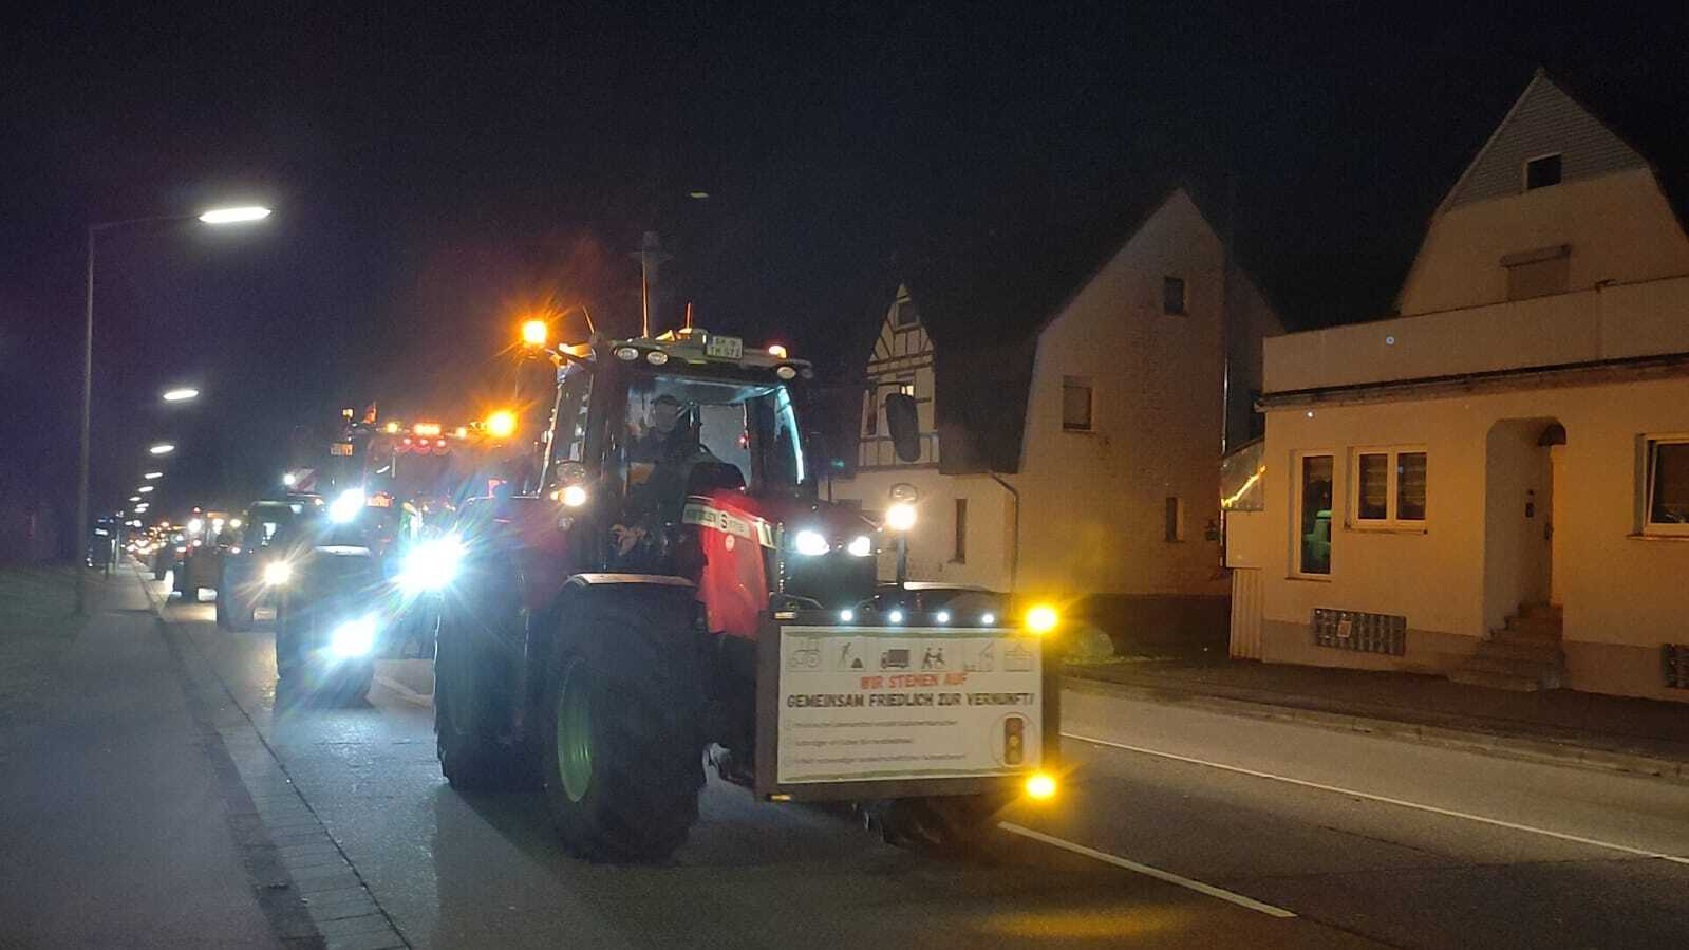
(1542, 172)
(1313, 502)
(1666, 490)
(1173, 295)
(1076, 403)
(1389, 487)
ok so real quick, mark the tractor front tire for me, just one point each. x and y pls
(472, 755)
(620, 743)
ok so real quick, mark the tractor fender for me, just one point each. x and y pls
(546, 628)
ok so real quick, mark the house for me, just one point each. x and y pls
(1075, 382)
(1494, 485)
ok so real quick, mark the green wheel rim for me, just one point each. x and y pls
(574, 732)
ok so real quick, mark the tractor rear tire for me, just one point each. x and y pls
(620, 742)
(472, 755)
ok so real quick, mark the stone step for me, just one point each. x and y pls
(1510, 665)
(1521, 684)
(1509, 635)
(1536, 625)
(1541, 650)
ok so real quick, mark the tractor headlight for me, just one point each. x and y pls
(432, 566)
(353, 638)
(346, 507)
(860, 546)
(810, 543)
(277, 573)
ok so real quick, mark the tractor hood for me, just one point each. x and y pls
(825, 554)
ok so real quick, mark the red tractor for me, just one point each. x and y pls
(663, 579)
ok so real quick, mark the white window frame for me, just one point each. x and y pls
(1296, 460)
(1645, 485)
(1391, 520)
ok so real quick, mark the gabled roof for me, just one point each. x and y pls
(1647, 120)
(986, 293)
(1651, 115)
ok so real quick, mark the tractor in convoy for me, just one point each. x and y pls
(662, 580)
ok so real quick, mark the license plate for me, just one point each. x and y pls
(725, 347)
(340, 448)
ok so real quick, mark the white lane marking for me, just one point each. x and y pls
(1146, 870)
(1418, 806)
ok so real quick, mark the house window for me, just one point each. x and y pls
(1542, 172)
(872, 415)
(1173, 527)
(960, 554)
(906, 313)
(1389, 487)
(1076, 403)
(1538, 272)
(1313, 502)
(1666, 504)
(1173, 295)
(906, 388)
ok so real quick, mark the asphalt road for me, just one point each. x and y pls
(1179, 828)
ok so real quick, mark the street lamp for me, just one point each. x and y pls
(900, 517)
(215, 216)
(180, 395)
(535, 332)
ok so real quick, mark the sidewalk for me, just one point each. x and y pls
(1586, 729)
(113, 820)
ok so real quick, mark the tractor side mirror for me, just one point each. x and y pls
(904, 421)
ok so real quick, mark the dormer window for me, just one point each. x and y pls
(1542, 172)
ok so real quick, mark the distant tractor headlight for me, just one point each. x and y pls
(346, 507)
(353, 638)
(860, 546)
(277, 573)
(810, 544)
(432, 566)
(1042, 619)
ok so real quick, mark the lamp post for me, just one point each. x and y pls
(216, 216)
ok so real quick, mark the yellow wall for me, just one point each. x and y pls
(1618, 590)
(1094, 502)
(1618, 225)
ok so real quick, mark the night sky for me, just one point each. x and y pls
(435, 176)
